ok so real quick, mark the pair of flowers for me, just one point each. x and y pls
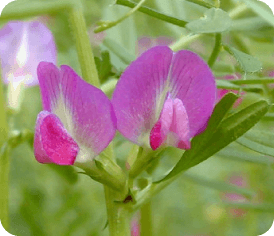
(162, 99)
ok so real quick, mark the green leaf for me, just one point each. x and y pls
(202, 3)
(257, 7)
(198, 142)
(225, 84)
(104, 66)
(219, 133)
(247, 62)
(119, 51)
(250, 23)
(236, 152)
(259, 141)
(215, 20)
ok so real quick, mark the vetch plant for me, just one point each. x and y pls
(163, 109)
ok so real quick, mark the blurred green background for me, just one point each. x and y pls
(55, 200)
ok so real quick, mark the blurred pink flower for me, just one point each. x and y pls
(135, 226)
(145, 43)
(222, 92)
(23, 44)
(96, 39)
(239, 181)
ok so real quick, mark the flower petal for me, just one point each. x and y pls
(135, 96)
(85, 111)
(94, 121)
(160, 130)
(193, 83)
(52, 143)
(49, 80)
(179, 130)
(23, 45)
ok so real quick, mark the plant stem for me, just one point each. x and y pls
(146, 220)
(147, 194)
(238, 10)
(142, 161)
(184, 41)
(253, 81)
(4, 161)
(20, 10)
(118, 212)
(118, 215)
(83, 46)
(107, 25)
(216, 50)
(153, 13)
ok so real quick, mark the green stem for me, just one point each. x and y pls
(118, 213)
(184, 41)
(20, 10)
(216, 50)
(237, 11)
(252, 81)
(146, 220)
(145, 196)
(83, 46)
(153, 13)
(107, 173)
(4, 160)
(107, 25)
(141, 163)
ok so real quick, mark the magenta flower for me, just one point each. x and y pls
(222, 92)
(164, 98)
(78, 120)
(23, 44)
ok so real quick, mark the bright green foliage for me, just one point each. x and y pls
(247, 62)
(215, 20)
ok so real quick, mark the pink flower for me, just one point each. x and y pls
(222, 92)
(23, 44)
(77, 122)
(164, 98)
(239, 181)
(96, 39)
(145, 43)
